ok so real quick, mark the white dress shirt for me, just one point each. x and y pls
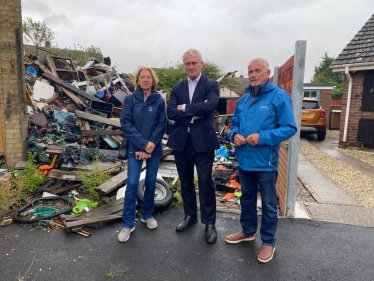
(191, 89)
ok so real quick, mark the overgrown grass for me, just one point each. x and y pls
(21, 186)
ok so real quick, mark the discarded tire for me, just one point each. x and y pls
(163, 194)
(48, 110)
(20, 218)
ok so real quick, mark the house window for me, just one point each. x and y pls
(311, 94)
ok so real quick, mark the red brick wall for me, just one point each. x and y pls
(282, 178)
(285, 76)
(355, 114)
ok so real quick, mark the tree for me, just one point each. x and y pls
(172, 74)
(324, 74)
(79, 53)
(37, 32)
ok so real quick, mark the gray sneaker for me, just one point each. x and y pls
(124, 235)
(151, 223)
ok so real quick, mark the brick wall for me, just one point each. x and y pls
(12, 103)
(325, 102)
(282, 178)
(355, 114)
(285, 76)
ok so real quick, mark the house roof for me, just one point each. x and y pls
(360, 51)
(243, 80)
(316, 86)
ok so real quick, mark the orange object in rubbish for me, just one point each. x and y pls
(230, 195)
(44, 169)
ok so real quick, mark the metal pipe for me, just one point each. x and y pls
(348, 105)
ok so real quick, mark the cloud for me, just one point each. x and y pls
(229, 33)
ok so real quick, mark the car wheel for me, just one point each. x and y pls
(322, 136)
(163, 194)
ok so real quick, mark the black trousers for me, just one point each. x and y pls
(185, 161)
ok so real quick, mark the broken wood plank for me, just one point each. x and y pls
(73, 224)
(29, 94)
(86, 126)
(87, 133)
(103, 166)
(70, 87)
(64, 175)
(65, 188)
(54, 149)
(107, 209)
(78, 102)
(114, 182)
(96, 118)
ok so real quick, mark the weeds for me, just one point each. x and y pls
(31, 176)
(91, 179)
(19, 186)
(115, 273)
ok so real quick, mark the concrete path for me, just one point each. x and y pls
(329, 148)
(332, 202)
(322, 189)
(306, 250)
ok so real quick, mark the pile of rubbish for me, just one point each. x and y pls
(74, 128)
(68, 104)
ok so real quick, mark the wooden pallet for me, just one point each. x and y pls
(97, 217)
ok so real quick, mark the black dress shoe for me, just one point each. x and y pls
(210, 234)
(186, 223)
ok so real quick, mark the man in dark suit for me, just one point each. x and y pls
(193, 137)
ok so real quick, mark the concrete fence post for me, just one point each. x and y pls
(294, 142)
(275, 75)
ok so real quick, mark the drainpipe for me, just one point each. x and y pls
(348, 105)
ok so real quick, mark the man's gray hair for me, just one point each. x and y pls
(264, 61)
(191, 52)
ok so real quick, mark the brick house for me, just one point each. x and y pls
(357, 115)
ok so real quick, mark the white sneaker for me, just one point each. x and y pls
(151, 223)
(124, 235)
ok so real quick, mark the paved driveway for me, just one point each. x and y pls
(305, 251)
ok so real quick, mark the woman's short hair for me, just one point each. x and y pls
(153, 74)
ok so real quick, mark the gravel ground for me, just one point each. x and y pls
(364, 156)
(355, 183)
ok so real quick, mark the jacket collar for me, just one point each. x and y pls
(261, 90)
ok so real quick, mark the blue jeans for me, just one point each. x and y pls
(250, 181)
(133, 174)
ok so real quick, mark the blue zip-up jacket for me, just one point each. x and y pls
(268, 113)
(148, 122)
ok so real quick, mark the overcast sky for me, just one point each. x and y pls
(230, 33)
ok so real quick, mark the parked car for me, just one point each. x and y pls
(313, 118)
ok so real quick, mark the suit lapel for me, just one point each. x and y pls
(185, 92)
(200, 85)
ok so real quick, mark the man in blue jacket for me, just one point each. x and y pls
(263, 119)
(193, 137)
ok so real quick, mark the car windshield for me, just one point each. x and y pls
(310, 104)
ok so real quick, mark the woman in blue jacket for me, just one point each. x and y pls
(143, 122)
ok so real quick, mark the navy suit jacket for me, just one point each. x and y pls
(202, 131)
